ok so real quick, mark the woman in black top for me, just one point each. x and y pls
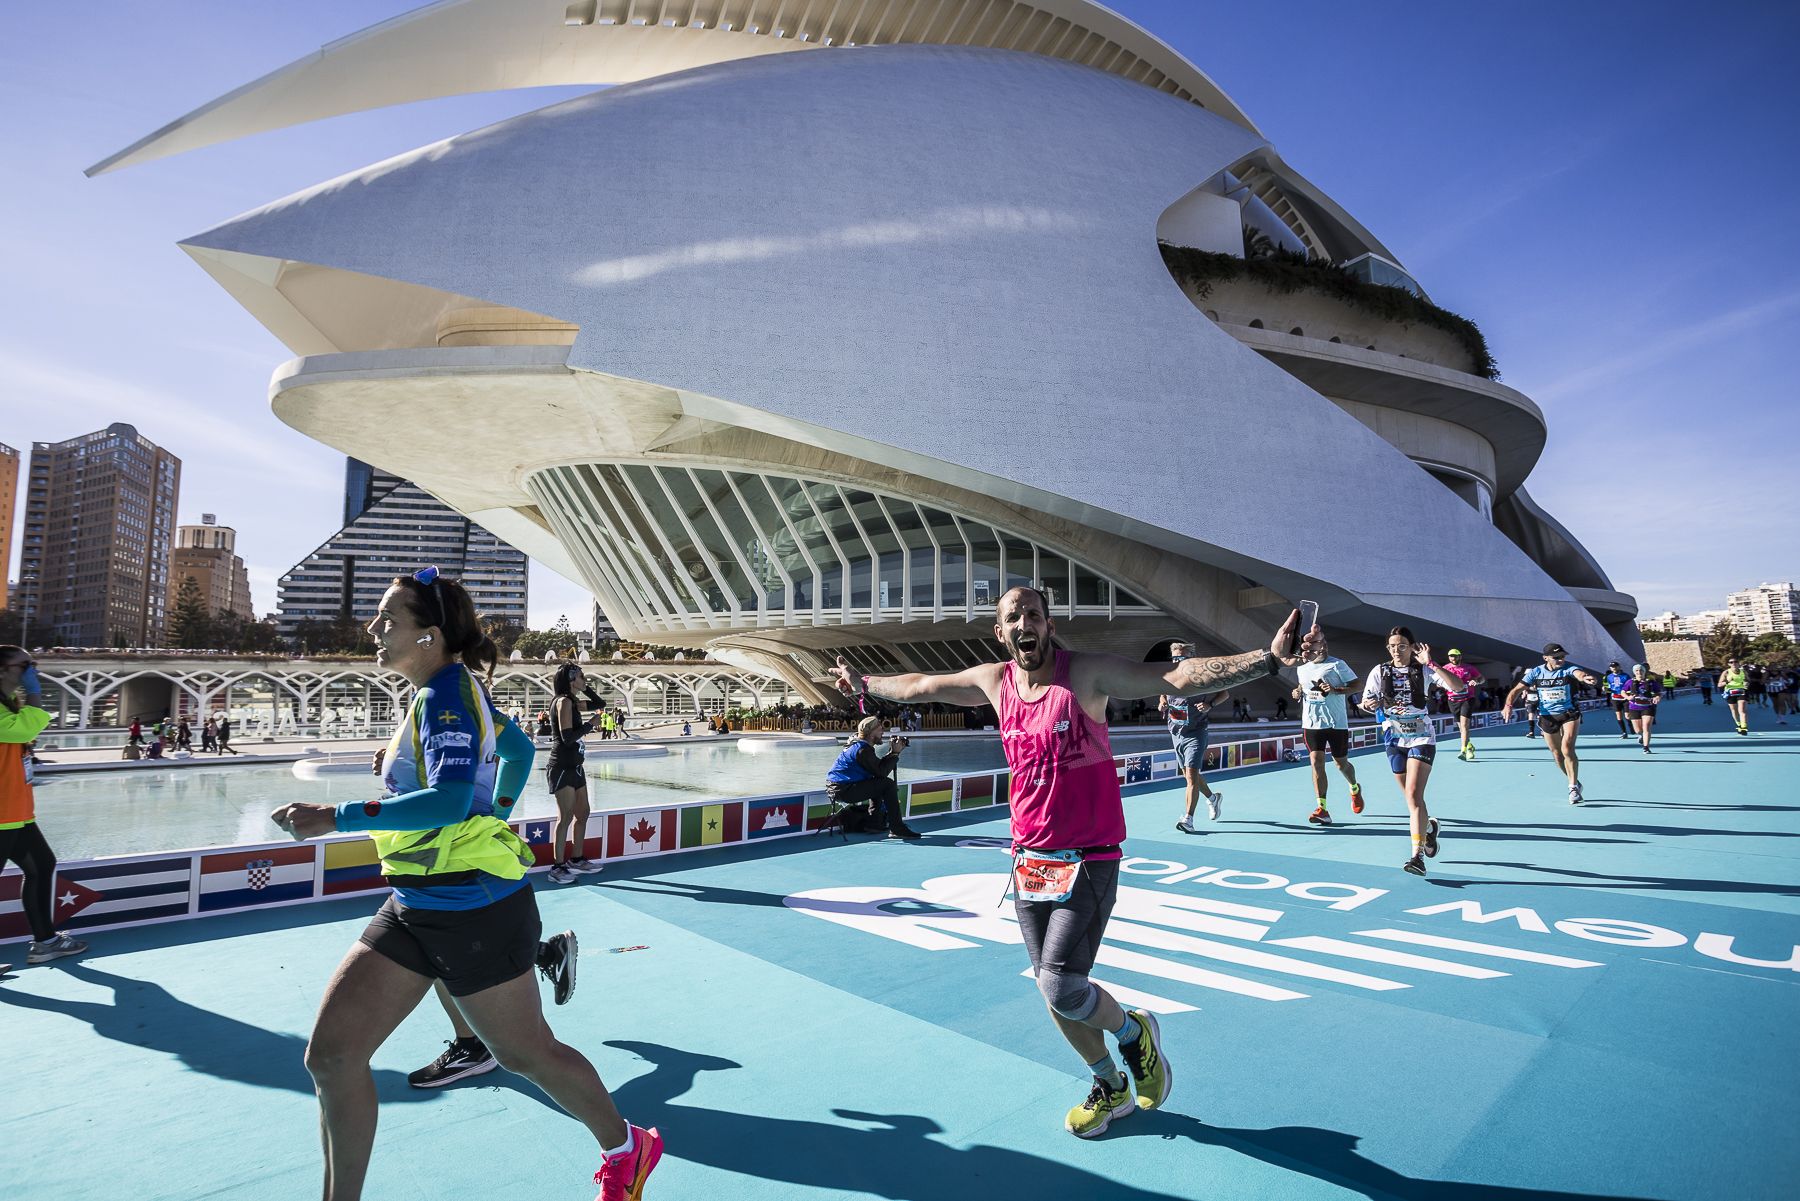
(565, 775)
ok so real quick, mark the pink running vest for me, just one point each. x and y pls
(1065, 786)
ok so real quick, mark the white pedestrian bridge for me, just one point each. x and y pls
(334, 696)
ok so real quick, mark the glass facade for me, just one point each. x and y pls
(681, 548)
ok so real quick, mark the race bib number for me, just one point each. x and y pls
(1553, 695)
(1045, 875)
(1409, 727)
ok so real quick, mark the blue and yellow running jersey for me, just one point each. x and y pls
(448, 736)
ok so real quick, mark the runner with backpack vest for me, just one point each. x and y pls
(1395, 693)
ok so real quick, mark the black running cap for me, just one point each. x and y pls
(1554, 648)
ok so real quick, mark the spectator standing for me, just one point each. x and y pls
(22, 718)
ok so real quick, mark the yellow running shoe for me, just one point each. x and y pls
(1104, 1103)
(1150, 1072)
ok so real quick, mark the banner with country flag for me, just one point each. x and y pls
(775, 816)
(641, 832)
(980, 792)
(711, 825)
(537, 835)
(113, 891)
(239, 879)
(351, 865)
(927, 797)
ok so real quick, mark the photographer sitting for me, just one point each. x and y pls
(864, 771)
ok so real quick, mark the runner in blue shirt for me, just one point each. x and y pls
(462, 911)
(1559, 713)
(1618, 686)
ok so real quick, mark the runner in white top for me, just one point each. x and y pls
(1395, 692)
(1325, 724)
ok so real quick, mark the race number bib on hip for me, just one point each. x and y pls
(1045, 875)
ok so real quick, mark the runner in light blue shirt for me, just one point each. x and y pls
(1325, 724)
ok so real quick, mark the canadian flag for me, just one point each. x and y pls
(644, 832)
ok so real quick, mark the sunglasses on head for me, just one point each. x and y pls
(428, 576)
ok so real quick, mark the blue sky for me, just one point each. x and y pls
(1601, 187)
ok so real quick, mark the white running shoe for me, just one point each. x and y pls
(1215, 804)
(1186, 826)
(54, 947)
(1575, 793)
(584, 867)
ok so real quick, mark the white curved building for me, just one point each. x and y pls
(789, 355)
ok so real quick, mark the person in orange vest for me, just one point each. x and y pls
(22, 719)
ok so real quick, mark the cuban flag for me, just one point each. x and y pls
(103, 893)
(262, 876)
(537, 832)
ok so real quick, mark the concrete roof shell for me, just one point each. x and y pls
(455, 47)
(967, 286)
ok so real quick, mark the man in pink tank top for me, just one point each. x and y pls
(1068, 820)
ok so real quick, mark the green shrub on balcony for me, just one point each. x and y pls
(1286, 272)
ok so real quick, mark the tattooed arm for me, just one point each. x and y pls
(1097, 677)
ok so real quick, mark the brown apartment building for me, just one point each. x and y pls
(208, 552)
(94, 558)
(9, 504)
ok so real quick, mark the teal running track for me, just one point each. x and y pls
(1593, 1001)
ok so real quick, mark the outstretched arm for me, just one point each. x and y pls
(969, 687)
(1099, 676)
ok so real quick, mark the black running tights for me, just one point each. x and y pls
(26, 847)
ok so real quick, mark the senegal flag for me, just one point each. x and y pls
(709, 825)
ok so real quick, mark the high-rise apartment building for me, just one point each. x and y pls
(393, 527)
(1766, 609)
(208, 552)
(9, 504)
(94, 558)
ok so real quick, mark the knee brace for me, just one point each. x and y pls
(1072, 997)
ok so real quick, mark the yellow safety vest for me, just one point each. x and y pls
(482, 843)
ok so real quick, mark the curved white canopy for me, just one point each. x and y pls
(456, 47)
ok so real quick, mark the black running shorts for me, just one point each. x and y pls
(558, 776)
(1463, 708)
(470, 950)
(1551, 723)
(1064, 936)
(1335, 741)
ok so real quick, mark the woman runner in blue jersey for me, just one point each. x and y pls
(462, 910)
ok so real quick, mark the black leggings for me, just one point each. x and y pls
(25, 846)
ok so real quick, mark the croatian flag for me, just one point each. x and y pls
(264, 876)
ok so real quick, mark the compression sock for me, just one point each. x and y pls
(1128, 1033)
(1418, 847)
(1106, 1069)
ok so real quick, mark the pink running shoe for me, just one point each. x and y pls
(622, 1176)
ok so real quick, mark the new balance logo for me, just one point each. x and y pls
(1159, 934)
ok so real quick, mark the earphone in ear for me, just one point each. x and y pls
(425, 641)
